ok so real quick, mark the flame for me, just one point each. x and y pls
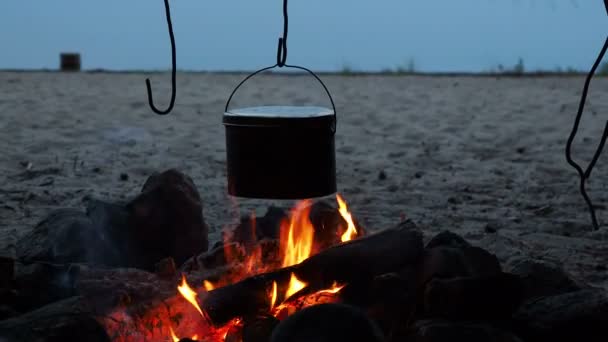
(294, 286)
(173, 337)
(351, 231)
(273, 295)
(189, 294)
(335, 288)
(208, 285)
(297, 235)
(194, 338)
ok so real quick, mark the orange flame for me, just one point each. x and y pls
(273, 295)
(294, 286)
(189, 294)
(173, 337)
(351, 231)
(335, 288)
(208, 285)
(297, 235)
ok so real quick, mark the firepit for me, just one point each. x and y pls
(274, 277)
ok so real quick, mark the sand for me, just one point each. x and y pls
(469, 154)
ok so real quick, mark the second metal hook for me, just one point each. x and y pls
(173, 70)
(282, 48)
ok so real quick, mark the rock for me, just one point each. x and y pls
(565, 317)
(259, 329)
(327, 322)
(491, 297)
(252, 229)
(7, 272)
(448, 255)
(108, 289)
(67, 320)
(541, 278)
(7, 312)
(65, 236)
(382, 175)
(111, 221)
(490, 228)
(393, 302)
(166, 220)
(40, 284)
(166, 268)
(448, 239)
(99, 237)
(446, 331)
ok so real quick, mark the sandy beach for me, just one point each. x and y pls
(482, 156)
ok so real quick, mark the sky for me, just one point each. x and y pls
(324, 35)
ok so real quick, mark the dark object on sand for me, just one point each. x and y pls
(325, 323)
(70, 62)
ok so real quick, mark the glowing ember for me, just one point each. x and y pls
(208, 285)
(294, 286)
(297, 235)
(189, 294)
(273, 295)
(351, 231)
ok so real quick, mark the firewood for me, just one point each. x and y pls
(359, 260)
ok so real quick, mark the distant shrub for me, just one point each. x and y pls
(519, 68)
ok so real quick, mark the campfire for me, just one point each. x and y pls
(282, 297)
(296, 245)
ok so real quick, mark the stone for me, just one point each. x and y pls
(446, 331)
(491, 297)
(67, 320)
(259, 329)
(577, 315)
(39, 284)
(252, 229)
(7, 272)
(166, 220)
(327, 322)
(166, 268)
(541, 278)
(448, 255)
(65, 236)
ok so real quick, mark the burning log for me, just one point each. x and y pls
(358, 260)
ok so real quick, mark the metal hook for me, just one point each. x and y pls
(282, 49)
(173, 71)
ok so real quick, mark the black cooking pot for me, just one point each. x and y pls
(281, 152)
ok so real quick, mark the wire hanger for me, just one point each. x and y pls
(173, 70)
(282, 62)
(585, 174)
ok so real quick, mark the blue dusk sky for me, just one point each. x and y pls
(371, 35)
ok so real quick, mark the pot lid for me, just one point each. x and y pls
(285, 112)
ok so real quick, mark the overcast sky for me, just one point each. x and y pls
(439, 35)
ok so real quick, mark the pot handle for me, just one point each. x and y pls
(335, 123)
